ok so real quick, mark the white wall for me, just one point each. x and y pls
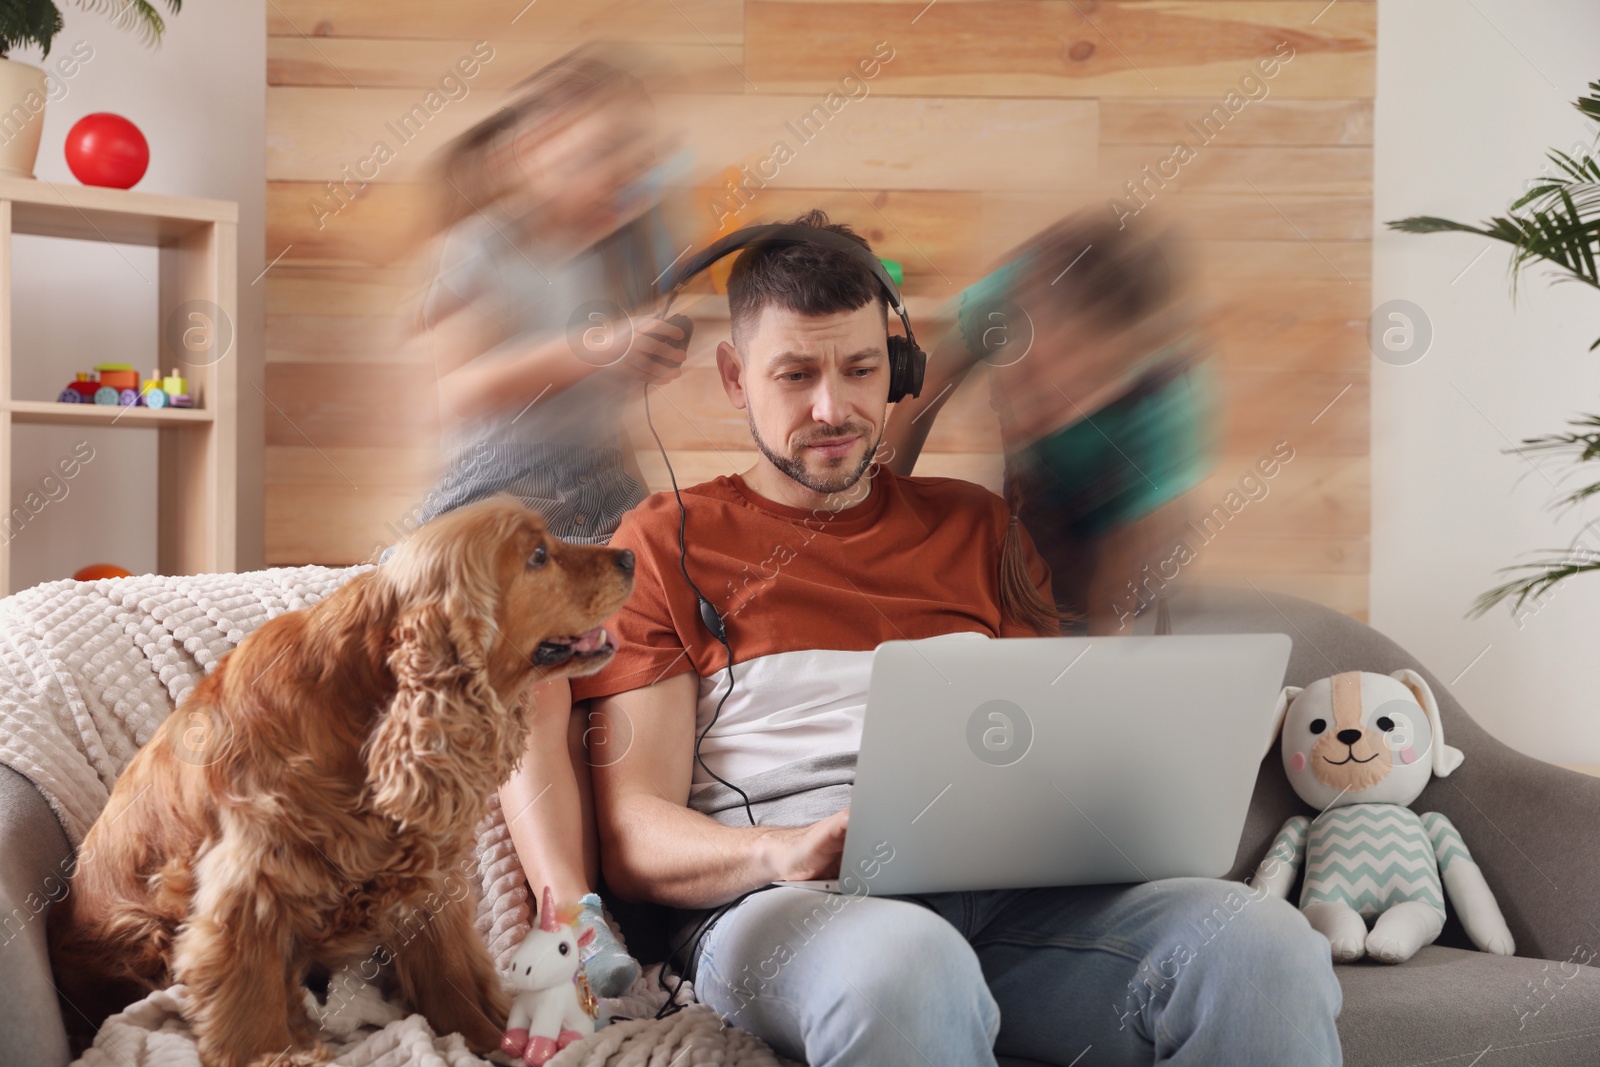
(200, 100)
(1470, 96)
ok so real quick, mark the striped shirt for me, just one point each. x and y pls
(1371, 857)
(560, 454)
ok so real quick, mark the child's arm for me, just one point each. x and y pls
(948, 366)
(478, 377)
(1155, 544)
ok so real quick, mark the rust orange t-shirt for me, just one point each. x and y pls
(805, 596)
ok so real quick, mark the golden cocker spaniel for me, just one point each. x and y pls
(311, 804)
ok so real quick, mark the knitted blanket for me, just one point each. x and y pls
(367, 1031)
(88, 670)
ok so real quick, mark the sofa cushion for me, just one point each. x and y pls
(1449, 1005)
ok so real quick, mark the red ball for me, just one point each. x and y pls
(106, 149)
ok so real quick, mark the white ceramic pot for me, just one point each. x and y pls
(22, 99)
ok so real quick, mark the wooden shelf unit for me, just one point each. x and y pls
(198, 451)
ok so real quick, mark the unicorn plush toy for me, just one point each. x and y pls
(1360, 747)
(553, 1006)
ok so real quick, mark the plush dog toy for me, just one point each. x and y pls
(553, 1006)
(1359, 748)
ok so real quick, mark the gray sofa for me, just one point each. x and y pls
(1523, 820)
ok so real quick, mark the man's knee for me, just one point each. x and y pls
(915, 973)
(1234, 930)
(916, 949)
(852, 966)
(1289, 953)
(1232, 969)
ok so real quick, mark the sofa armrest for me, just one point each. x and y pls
(38, 862)
(1527, 822)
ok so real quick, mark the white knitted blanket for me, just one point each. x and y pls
(88, 670)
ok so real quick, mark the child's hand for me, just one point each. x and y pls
(656, 353)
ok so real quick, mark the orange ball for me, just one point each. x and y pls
(95, 571)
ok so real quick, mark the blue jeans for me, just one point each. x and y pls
(1185, 971)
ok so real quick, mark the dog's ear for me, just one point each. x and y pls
(434, 753)
(1280, 713)
(1445, 758)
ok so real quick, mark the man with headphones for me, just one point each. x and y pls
(731, 714)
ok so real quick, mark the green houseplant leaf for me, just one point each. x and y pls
(36, 22)
(1557, 221)
(25, 22)
(137, 15)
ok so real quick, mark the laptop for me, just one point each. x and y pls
(1019, 762)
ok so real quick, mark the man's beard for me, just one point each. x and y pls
(833, 482)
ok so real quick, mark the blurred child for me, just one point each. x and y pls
(551, 242)
(1105, 401)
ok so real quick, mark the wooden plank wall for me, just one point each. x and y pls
(992, 118)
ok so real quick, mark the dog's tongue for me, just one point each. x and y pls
(590, 640)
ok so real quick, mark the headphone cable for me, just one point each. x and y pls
(672, 1007)
(692, 943)
(683, 551)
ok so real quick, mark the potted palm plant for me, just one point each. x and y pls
(23, 88)
(1557, 221)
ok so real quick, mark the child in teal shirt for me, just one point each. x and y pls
(1105, 398)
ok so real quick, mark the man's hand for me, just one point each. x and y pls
(653, 846)
(803, 853)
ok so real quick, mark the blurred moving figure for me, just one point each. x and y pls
(551, 239)
(1105, 397)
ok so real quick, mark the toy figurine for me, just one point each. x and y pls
(79, 391)
(1360, 747)
(118, 384)
(118, 376)
(553, 1006)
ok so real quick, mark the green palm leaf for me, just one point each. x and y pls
(25, 22)
(1584, 444)
(1590, 105)
(1541, 577)
(1558, 221)
(1562, 227)
(138, 15)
